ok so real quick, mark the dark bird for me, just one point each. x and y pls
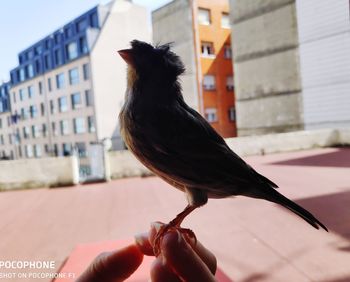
(178, 144)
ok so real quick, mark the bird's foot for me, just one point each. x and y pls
(166, 228)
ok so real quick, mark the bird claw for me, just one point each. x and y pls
(166, 228)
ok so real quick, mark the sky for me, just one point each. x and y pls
(24, 22)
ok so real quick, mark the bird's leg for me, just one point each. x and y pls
(174, 224)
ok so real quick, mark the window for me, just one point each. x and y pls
(54, 129)
(24, 113)
(55, 150)
(81, 148)
(26, 132)
(0, 123)
(225, 20)
(207, 49)
(68, 32)
(38, 49)
(49, 84)
(71, 50)
(227, 51)
(211, 115)
(79, 125)
(64, 127)
(58, 57)
(60, 80)
(37, 66)
(67, 149)
(22, 94)
(209, 82)
(86, 71)
(73, 76)
(232, 114)
(88, 98)
(46, 148)
(57, 38)
(33, 111)
(83, 45)
(30, 91)
(42, 109)
(94, 20)
(37, 151)
(40, 85)
(229, 83)
(28, 151)
(17, 136)
(91, 124)
(14, 97)
(35, 131)
(81, 25)
(204, 16)
(76, 100)
(10, 139)
(22, 75)
(62, 104)
(44, 129)
(2, 141)
(52, 107)
(47, 61)
(30, 71)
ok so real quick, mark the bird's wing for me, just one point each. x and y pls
(190, 152)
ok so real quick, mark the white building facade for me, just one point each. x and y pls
(69, 87)
(324, 44)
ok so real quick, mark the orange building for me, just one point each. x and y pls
(200, 30)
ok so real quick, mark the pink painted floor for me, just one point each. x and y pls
(253, 240)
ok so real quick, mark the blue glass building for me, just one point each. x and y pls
(68, 43)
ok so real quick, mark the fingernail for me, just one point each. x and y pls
(140, 238)
(156, 225)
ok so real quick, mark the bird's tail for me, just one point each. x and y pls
(278, 198)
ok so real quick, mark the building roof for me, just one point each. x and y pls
(67, 43)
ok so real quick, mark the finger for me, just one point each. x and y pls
(160, 272)
(205, 255)
(142, 241)
(183, 260)
(208, 257)
(145, 241)
(113, 267)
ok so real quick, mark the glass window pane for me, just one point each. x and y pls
(73, 76)
(203, 16)
(225, 20)
(72, 50)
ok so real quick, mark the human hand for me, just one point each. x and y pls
(180, 259)
(113, 266)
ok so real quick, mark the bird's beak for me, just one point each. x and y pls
(127, 56)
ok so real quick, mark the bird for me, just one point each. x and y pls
(176, 143)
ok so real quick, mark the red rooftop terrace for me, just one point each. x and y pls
(253, 240)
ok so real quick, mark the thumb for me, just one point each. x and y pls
(114, 266)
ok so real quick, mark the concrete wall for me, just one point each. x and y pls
(291, 141)
(124, 164)
(266, 63)
(32, 173)
(173, 23)
(51, 172)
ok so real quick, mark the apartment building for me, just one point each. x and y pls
(292, 62)
(201, 35)
(69, 87)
